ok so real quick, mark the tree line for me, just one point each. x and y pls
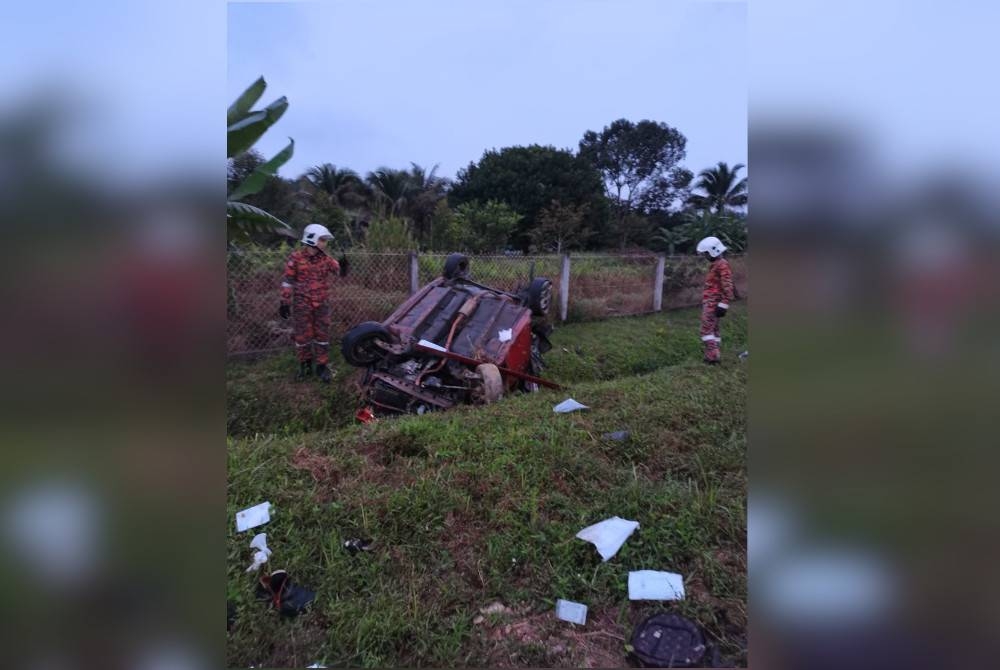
(623, 188)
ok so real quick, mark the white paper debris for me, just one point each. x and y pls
(608, 535)
(568, 610)
(506, 335)
(655, 585)
(431, 345)
(261, 556)
(315, 665)
(568, 405)
(253, 517)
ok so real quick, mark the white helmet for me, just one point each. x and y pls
(713, 245)
(313, 232)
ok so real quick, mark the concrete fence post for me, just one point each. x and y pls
(658, 284)
(414, 273)
(564, 289)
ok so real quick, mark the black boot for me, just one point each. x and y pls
(323, 373)
(305, 370)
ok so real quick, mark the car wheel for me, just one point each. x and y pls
(540, 296)
(360, 344)
(490, 389)
(456, 265)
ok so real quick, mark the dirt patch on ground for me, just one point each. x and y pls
(515, 637)
(463, 538)
(297, 645)
(323, 470)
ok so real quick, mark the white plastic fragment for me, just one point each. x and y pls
(315, 665)
(655, 585)
(430, 345)
(568, 610)
(568, 405)
(506, 335)
(252, 517)
(261, 556)
(608, 535)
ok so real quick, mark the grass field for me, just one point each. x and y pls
(480, 506)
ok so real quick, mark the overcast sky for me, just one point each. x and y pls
(439, 82)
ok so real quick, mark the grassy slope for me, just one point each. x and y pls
(482, 504)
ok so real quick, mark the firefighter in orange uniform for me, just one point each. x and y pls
(304, 293)
(715, 297)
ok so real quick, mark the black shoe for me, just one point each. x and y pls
(708, 362)
(323, 373)
(305, 370)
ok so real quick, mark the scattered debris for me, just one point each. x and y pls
(608, 535)
(261, 556)
(567, 610)
(568, 405)
(287, 598)
(479, 619)
(253, 517)
(669, 641)
(315, 665)
(744, 354)
(655, 585)
(365, 415)
(506, 335)
(617, 436)
(356, 544)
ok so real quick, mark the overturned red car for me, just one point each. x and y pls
(454, 341)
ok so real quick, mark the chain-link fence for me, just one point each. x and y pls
(585, 287)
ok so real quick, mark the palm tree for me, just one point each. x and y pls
(390, 190)
(343, 185)
(722, 189)
(426, 190)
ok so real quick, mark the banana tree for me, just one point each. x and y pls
(671, 238)
(244, 127)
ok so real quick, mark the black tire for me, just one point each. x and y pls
(540, 296)
(359, 347)
(456, 265)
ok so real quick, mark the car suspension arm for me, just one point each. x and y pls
(472, 361)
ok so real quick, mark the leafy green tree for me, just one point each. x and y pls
(561, 228)
(445, 232)
(635, 159)
(484, 227)
(324, 209)
(722, 188)
(389, 234)
(244, 126)
(528, 179)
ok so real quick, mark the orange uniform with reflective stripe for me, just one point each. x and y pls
(718, 283)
